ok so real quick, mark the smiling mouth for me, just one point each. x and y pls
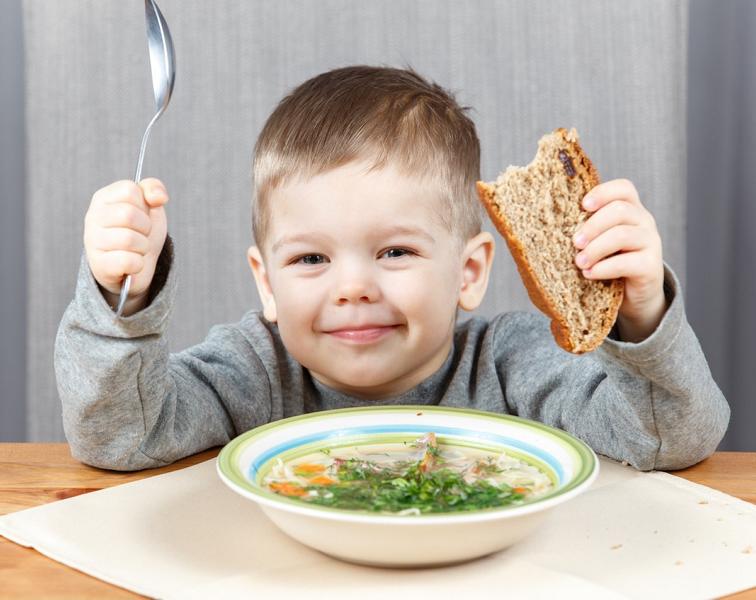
(363, 335)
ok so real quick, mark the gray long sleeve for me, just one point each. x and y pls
(129, 404)
(653, 403)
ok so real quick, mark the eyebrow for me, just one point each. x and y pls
(379, 232)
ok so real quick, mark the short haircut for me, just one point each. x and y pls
(378, 114)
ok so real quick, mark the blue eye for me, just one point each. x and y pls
(311, 259)
(396, 252)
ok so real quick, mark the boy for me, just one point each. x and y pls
(368, 240)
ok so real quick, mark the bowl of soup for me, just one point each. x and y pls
(407, 486)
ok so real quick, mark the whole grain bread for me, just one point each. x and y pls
(537, 209)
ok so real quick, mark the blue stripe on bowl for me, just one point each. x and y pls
(466, 433)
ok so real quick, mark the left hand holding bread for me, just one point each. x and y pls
(620, 239)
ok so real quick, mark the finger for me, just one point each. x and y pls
(122, 215)
(114, 265)
(604, 193)
(611, 215)
(154, 191)
(124, 191)
(120, 238)
(633, 265)
(622, 238)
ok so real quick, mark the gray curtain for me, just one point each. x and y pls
(721, 237)
(12, 219)
(616, 71)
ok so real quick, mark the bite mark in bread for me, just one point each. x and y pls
(537, 209)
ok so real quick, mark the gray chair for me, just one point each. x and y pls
(614, 70)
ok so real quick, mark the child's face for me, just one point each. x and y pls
(364, 280)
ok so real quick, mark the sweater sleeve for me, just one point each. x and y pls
(653, 404)
(129, 404)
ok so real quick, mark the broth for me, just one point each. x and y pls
(408, 478)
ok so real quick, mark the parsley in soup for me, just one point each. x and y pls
(416, 478)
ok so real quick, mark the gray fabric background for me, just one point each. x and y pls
(12, 209)
(616, 71)
(721, 238)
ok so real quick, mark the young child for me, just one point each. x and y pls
(368, 240)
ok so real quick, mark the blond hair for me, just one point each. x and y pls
(378, 114)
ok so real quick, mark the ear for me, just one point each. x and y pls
(477, 259)
(254, 257)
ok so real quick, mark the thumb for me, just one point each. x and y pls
(154, 192)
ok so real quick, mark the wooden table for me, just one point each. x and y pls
(34, 474)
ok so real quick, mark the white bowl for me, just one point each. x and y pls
(411, 540)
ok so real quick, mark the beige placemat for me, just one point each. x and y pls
(186, 535)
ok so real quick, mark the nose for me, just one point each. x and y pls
(354, 285)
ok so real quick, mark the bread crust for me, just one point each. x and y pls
(560, 329)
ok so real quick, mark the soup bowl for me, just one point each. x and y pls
(406, 540)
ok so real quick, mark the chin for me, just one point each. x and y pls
(361, 382)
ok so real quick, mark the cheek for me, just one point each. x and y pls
(428, 296)
(295, 304)
(295, 325)
(297, 300)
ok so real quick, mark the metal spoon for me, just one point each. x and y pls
(163, 67)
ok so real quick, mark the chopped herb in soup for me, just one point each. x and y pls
(408, 478)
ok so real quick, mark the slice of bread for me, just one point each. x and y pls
(538, 210)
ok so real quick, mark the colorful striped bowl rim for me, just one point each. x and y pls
(245, 460)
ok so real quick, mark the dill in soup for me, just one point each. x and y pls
(408, 478)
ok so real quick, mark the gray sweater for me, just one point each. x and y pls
(129, 404)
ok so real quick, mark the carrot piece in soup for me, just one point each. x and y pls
(287, 489)
(308, 468)
(322, 480)
(427, 462)
(431, 450)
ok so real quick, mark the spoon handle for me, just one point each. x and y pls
(138, 173)
(126, 285)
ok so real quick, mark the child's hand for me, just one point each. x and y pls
(620, 240)
(124, 232)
